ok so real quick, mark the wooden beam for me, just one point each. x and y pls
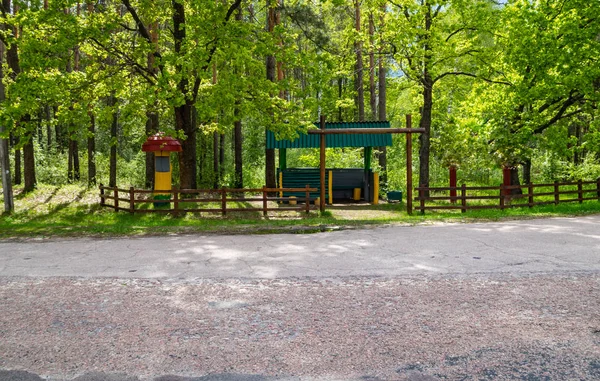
(348, 131)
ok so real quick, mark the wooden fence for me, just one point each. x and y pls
(499, 197)
(216, 200)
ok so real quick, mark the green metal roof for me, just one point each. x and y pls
(336, 141)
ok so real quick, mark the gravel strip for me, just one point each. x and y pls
(537, 327)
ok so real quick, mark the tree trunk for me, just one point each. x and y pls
(340, 84)
(73, 171)
(358, 83)
(271, 67)
(151, 115)
(183, 114)
(238, 181)
(372, 69)
(382, 107)
(48, 116)
(221, 157)
(514, 179)
(57, 133)
(7, 190)
(425, 123)
(112, 181)
(527, 171)
(76, 166)
(237, 139)
(151, 129)
(215, 160)
(18, 169)
(187, 158)
(424, 138)
(28, 165)
(91, 150)
(70, 163)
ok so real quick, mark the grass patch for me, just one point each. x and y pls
(74, 210)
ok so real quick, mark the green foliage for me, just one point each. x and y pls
(511, 82)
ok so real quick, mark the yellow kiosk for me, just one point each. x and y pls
(162, 146)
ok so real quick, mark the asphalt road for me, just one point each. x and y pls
(559, 244)
(490, 301)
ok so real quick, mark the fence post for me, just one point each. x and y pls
(116, 195)
(308, 198)
(501, 196)
(103, 201)
(264, 201)
(223, 201)
(176, 201)
(530, 194)
(598, 188)
(422, 199)
(463, 198)
(131, 200)
(580, 191)
(556, 193)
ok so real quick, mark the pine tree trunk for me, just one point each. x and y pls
(271, 67)
(112, 178)
(7, 191)
(382, 117)
(372, 69)
(91, 150)
(237, 134)
(358, 83)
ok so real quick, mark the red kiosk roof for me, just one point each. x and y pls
(161, 142)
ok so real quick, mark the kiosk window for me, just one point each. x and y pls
(162, 164)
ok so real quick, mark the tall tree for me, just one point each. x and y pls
(7, 191)
(435, 39)
(551, 57)
(271, 66)
(358, 75)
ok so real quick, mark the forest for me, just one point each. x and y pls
(495, 84)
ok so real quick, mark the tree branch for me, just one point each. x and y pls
(470, 75)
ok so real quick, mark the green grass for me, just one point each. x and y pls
(74, 210)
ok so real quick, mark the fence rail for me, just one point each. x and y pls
(465, 198)
(186, 200)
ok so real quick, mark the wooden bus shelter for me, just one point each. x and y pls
(323, 132)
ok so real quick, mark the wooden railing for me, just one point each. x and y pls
(177, 201)
(500, 197)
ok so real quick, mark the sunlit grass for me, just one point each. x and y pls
(74, 210)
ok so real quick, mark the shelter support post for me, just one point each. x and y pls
(330, 188)
(282, 158)
(409, 185)
(322, 145)
(375, 188)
